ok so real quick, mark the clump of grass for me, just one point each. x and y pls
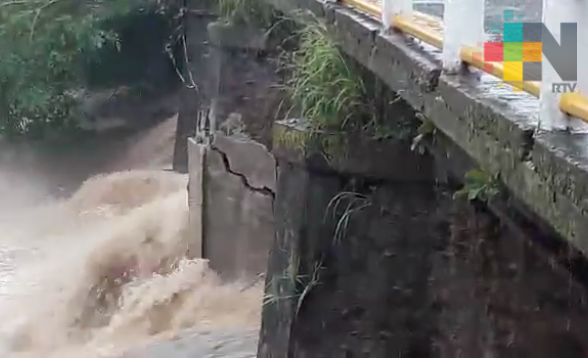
(352, 203)
(308, 285)
(301, 286)
(323, 85)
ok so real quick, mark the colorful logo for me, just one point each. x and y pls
(520, 47)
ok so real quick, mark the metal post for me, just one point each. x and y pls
(463, 25)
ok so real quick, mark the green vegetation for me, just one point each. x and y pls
(351, 203)
(425, 130)
(326, 89)
(299, 285)
(323, 85)
(479, 186)
(291, 138)
(46, 44)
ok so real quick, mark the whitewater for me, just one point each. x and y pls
(103, 266)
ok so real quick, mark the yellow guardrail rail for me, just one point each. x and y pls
(469, 55)
(430, 30)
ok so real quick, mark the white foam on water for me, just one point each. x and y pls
(107, 269)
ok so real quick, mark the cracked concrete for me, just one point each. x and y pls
(238, 188)
(259, 174)
(226, 162)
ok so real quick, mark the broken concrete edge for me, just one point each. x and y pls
(253, 166)
(196, 160)
(496, 134)
(259, 175)
(303, 232)
(229, 35)
(348, 153)
(238, 221)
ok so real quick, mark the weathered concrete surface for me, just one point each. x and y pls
(365, 243)
(499, 294)
(349, 153)
(249, 159)
(373, 299)
(496, 129)
(411, 271)
(299, 208)
(243, 78)
(196, 163)
(195, 91)
(503, 284)
(238, 206)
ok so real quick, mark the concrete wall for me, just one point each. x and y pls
(418, 272)
(546, 172)
(232, 214)
(195, 94)
(349, 271)
(371, 255)
(232, 185)
(243, 65)
(499, 294)
(377, 260)
(234, 68)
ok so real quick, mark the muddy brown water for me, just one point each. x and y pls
(109, 258)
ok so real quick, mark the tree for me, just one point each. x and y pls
(44, 45)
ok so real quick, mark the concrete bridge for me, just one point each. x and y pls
(365, 246)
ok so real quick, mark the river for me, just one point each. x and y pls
(104, 270)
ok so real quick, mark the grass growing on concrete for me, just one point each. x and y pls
(301, 285)
(308, 285)
(323, 85)
(352, 203)
(291, 138)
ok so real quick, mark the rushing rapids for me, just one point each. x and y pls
(107, 270)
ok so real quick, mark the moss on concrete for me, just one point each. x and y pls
(291, 138)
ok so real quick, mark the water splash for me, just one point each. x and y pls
(108, 270)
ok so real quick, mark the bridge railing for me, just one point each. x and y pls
(461, 37)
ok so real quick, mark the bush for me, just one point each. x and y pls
(324, 86)
(45, 46)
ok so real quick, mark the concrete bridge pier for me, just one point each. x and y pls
(193, 67)
(373, 255)
(356, 224)
(243, 79)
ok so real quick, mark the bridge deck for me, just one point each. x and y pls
(430, 29)
(549, 178)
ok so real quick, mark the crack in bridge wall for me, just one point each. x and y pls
(237, 211)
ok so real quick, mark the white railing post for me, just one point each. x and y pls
(582, 55)
(391, 8)
(463, 23)
(556, 12)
